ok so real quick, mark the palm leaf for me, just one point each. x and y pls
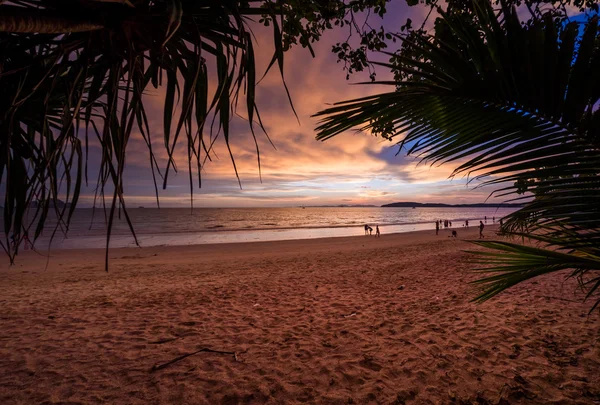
(512, 264)
(505, 103)
(67, 65)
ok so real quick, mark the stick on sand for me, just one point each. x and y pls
(183, 356)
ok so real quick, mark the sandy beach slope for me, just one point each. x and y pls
(335, 321)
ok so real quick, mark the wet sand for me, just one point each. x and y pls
(335, 321)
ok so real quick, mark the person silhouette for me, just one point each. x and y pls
(366, 229)
(377, 233)
(437, 227)
(28, 243)
(481, 226)
(370, 231)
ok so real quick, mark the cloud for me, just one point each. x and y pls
(353, 167)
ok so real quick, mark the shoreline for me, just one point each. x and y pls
(360, 241)
(240, 236)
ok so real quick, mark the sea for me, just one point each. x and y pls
(183, 226)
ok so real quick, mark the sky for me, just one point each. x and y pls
(352, 168)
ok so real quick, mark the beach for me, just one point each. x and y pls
(352, 320)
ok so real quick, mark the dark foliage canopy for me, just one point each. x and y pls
(506, 102)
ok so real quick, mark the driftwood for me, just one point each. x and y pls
(157, 367)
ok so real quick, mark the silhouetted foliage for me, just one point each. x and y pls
(508, 102)
(71, 70)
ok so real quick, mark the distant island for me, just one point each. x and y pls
(439, 205)
(342, 206)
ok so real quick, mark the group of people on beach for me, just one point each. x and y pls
(445, 222)
(438, 224)
(369, 230)
(448, 224)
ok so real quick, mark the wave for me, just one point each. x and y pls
(223, 228)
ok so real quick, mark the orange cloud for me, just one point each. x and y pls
(351, 168)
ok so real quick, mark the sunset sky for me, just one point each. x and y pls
(353, 168)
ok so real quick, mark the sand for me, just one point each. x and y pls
(345, 320)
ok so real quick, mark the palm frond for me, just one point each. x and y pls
(511, 264)
(75, 70)
(506, 103)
